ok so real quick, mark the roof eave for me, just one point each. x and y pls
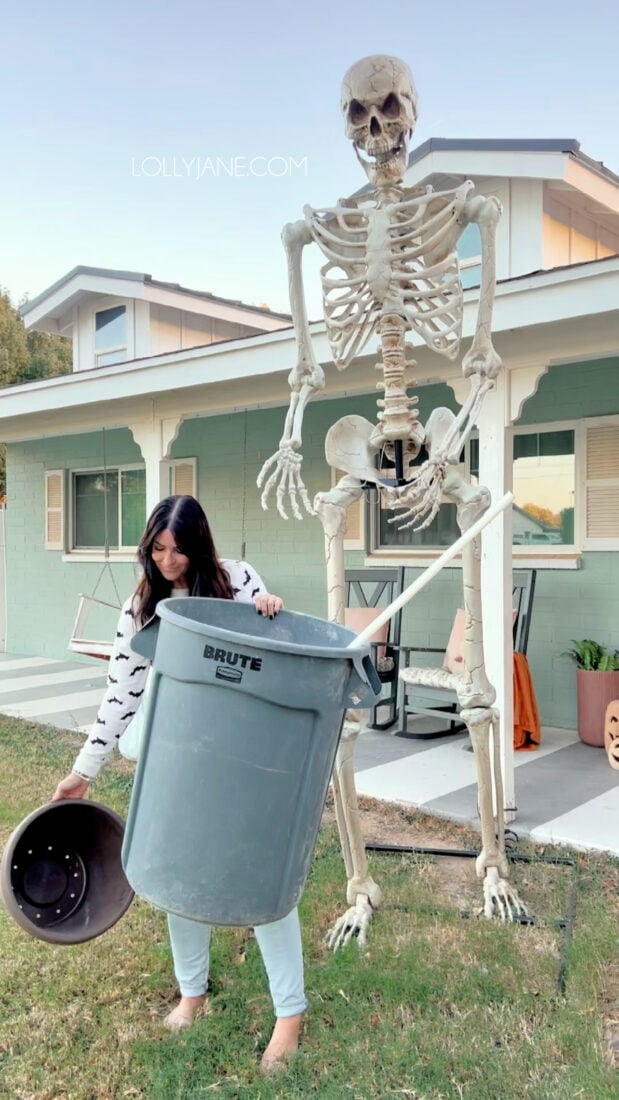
(581, 284)
(84, 282)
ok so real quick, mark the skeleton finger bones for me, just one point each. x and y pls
(286, 480)
(420, 500)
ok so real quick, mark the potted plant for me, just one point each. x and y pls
(597, 685)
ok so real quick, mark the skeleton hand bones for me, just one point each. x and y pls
(304, 380)
(446, 436)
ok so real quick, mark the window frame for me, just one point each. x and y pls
(557, 555)
(468, 263)
(561, 549)
(127, 347)
(471, 264)
(90, 553)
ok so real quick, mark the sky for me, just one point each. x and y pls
(177, 139)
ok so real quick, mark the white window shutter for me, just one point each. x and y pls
(354, 524)
(183, 477)
(602, 486)
(54, 510)
(354, 539)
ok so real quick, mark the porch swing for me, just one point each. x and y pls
(80, 642)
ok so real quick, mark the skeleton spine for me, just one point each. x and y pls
(399, 416)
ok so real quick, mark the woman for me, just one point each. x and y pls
(178, 558)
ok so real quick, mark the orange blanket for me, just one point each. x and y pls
(526, 719)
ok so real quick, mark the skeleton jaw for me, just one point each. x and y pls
(388, 161)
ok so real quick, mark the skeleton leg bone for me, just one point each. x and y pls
(476, 696)
(363, 894)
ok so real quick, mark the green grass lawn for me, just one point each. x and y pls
(438, 1006)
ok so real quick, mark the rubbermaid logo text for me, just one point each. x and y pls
(230, 675)
(231, 657)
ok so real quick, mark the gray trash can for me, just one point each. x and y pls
(242, 724)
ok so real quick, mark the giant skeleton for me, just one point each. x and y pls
(391, 268)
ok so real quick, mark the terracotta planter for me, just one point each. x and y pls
(595, 690)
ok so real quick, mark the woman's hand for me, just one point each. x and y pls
(268, 605)
(72, 786)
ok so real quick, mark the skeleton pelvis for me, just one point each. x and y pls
(348, 448)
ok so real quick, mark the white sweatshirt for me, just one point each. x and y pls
(128, 671)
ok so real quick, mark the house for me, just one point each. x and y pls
(173, 390)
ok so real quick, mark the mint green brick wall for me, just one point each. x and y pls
(582, 603)
(574, 391)
(42, 591)
(577, 604)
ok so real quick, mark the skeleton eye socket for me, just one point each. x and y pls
(391, 106)
(357, 113)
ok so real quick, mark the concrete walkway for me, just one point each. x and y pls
(567, 792)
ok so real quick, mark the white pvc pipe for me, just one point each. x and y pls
(427, 575)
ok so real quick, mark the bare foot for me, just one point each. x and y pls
(284, 1042)
(183, 1014)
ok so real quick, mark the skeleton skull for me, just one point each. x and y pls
(379, 104)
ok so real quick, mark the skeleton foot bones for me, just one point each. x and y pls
(501, 899)
(391, 269)
(355, 922)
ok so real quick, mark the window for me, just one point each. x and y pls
(441, 532)
(109, 508)
(437, 535)
(110, 335)
(469, 255)
(544, 486)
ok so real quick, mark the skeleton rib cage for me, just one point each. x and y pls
(421, 280)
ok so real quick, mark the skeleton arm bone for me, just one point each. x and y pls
(307, 376)
(481, 357)
(465, 420)
(282, 470)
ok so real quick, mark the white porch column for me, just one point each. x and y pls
(154, 437)
(495, 472)
(501, 408)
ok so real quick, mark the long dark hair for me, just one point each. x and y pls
(184, 518)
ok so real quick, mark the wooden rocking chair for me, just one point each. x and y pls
(442, 703)
(367, 593)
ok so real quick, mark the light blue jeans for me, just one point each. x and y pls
(280, 947)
